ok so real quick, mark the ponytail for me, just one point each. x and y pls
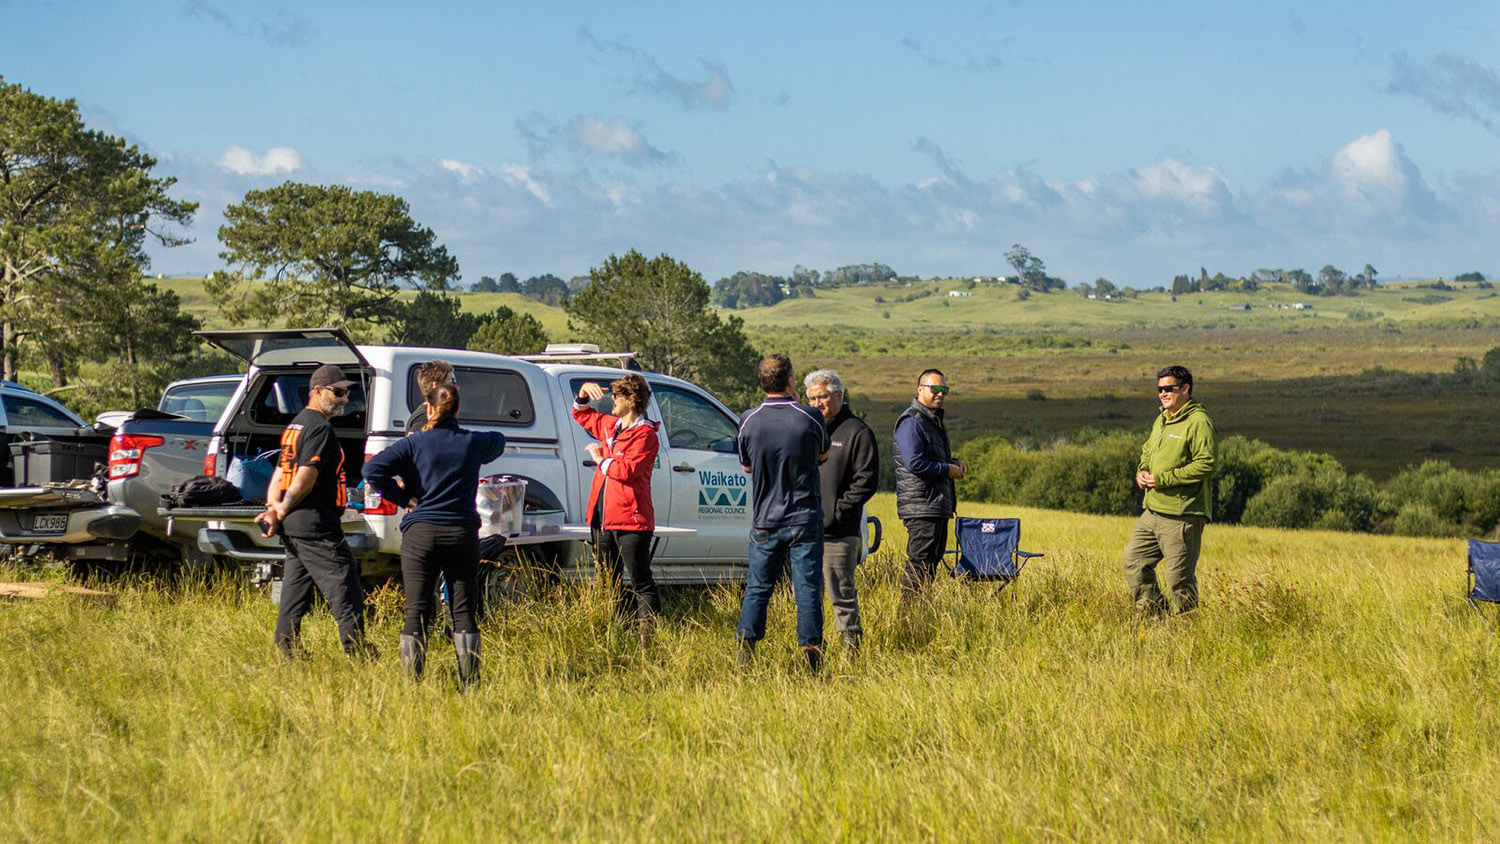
(442, 403)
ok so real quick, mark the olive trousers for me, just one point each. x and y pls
(1166, 547)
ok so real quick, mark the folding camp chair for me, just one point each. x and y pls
(1484, 573)
(987, 550)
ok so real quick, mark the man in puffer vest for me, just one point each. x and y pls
(1176, 471)
(925, 472)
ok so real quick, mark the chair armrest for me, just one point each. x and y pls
(1029, 554)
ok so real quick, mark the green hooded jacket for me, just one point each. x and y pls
(1181, 455)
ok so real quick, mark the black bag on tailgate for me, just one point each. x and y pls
(202, 491)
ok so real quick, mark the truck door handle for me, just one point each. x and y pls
(683, 467)
(590, 462)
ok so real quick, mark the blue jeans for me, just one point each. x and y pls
(801, 548)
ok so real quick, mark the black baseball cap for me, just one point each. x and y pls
(329, 375)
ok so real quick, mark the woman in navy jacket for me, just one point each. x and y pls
(438, 470)
(620, 509)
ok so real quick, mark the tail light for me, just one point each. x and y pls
(125, 452)
(375, 503)
(211, 463)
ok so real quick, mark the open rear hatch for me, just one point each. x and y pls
(288, 346)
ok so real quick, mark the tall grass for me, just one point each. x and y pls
(1332, 687)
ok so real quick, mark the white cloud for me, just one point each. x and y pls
(613, 137)
(237, 159)
(1371, 170)
(465, 172)
(588, 137)
(519, 174)
(1201, 188)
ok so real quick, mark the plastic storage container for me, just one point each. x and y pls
(54, 461)
(501, 502)
(541, 522)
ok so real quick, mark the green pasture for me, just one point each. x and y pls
(995, 310)
(1333, 687)
(1046, 366)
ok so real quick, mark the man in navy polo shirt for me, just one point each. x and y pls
(781, 443)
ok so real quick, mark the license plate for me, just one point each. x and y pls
(50, 522)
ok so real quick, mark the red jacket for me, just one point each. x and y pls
(624, 476)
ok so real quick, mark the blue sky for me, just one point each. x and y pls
(1129, 143)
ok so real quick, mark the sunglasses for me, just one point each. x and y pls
(1169, 388)
(937, 389)
(338, 392)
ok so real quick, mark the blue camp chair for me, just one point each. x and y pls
(1484, 572)
(987, 550)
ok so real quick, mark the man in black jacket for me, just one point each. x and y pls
(925, 472)
(848, 478)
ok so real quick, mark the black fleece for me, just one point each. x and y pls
(849, 475)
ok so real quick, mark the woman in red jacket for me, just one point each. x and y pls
(620, 510)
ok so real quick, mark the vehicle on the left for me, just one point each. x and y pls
(50, 501)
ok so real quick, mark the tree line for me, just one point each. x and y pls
(749, 289)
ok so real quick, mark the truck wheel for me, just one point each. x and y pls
(520, 573)
(497, 587)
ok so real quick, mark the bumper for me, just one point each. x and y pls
(246, 544)
(106, 523)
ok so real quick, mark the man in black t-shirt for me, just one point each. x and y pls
(305, 502)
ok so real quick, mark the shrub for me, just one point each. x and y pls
(1463, 500)
(1094, 476)
(1290, 501)
(1416, 519)
(1437, 486)
(1097, 478)
(1323, 497)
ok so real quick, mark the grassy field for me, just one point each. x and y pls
(1332, 688)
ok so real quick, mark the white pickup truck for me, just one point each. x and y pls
(697, 483)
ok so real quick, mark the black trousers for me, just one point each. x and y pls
(427, 552)
(926, 540)
(323, 562)
(629, 550)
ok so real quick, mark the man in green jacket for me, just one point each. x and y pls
(1176, 471)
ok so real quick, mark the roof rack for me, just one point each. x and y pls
(556, 352)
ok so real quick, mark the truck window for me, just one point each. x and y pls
(692, 421)
(28, 413)
(201, 402)
(279, 397)
(489, 396)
